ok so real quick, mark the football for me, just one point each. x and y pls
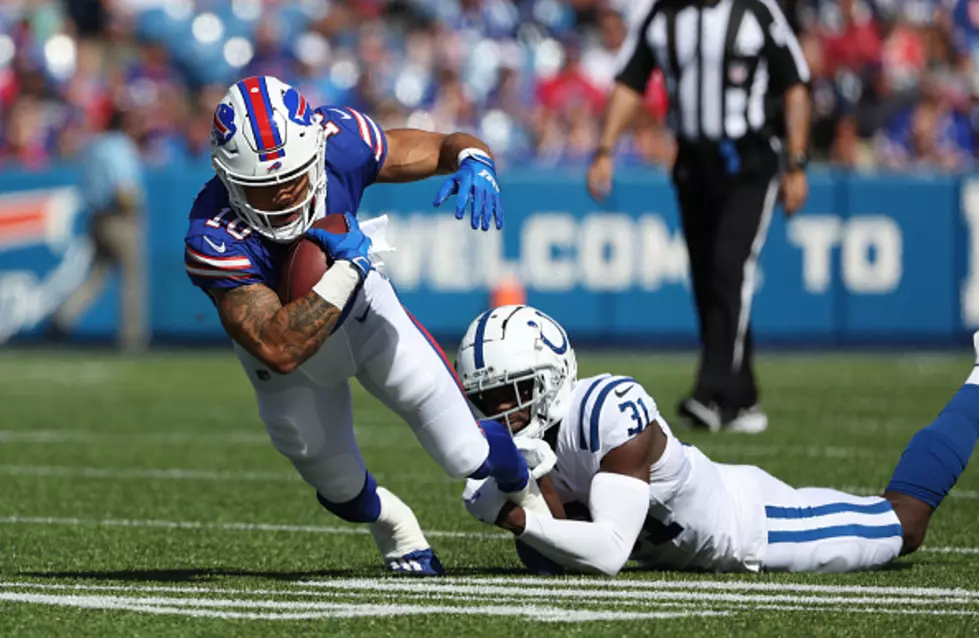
(306, 262)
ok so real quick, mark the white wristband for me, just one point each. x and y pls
(338, 283)
(475, 153)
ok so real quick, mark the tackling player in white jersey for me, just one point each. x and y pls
(665, 504)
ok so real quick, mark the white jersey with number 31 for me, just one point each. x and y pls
(702, 515)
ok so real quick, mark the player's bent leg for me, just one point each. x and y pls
(934, 459)
(312, 426)
(824, 530)
(405, 368)
(413, 381)
(914, 516)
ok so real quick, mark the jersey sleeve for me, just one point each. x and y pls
(636, 61)
(786, 64)
(360, 134)
(613, 411)
(218, 262)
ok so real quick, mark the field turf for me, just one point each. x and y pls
(140, 497)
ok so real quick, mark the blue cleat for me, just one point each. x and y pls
(423, 562)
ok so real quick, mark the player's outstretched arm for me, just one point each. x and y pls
(281, 337)
(618, 502)
(415, 155)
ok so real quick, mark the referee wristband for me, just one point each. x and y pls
(602, 151)
(338, 283)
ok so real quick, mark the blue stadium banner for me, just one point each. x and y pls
(872, 258)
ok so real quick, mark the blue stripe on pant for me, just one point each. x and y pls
(835, 536)
(821, 529)
(823, 510)
(835, 531)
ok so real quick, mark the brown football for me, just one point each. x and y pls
(306, 262)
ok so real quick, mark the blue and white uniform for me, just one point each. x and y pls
(714, 516)
(309, 414)
(223, 252)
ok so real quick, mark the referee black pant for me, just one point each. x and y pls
(725, 211)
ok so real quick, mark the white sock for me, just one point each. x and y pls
(974, 377)
(396, 531)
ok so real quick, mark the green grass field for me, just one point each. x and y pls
(140, 497)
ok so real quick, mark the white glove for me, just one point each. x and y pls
(483, 500)
(539, 456)
(530, 498)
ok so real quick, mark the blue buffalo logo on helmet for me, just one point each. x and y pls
(223, 127)
(298, 108)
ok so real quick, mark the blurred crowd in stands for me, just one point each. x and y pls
(895, 82)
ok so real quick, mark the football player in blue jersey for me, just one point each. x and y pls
(281, 165)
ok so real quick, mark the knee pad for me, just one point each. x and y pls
(338, 477)
(363, 508)
(292, 422)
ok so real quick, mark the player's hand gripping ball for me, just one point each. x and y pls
(335, 237)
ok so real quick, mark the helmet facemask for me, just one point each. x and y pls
(269, 222)
(526, 399)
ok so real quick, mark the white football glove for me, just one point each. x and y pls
(483, 500)
(530, 498)
(539, 456)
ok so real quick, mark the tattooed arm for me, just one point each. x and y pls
(282, 337)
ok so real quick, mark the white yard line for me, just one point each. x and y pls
(217, 608)
(302, 529)
(48, 437)
(236, 527)
(375, 430)
(951, 550)
(722, 585)
(533, 598)
(551, 591)
(189, 474)
(166, 474)
(510, 585)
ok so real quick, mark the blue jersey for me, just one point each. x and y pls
(221, 251)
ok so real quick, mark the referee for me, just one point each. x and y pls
(739, 110)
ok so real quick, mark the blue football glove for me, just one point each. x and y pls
(351, 246)
(507, 465)
(475, 180)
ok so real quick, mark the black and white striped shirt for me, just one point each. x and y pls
(721, 60)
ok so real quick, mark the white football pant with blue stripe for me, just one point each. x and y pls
(817, 529)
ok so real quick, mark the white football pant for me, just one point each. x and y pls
(817, 529)
(309, 414)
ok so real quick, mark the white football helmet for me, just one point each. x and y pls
(513, 345)
(264, 133)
